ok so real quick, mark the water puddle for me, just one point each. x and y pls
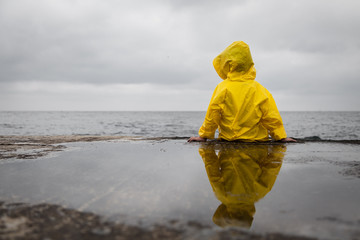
(309, 189)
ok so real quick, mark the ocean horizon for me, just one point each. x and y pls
(329, 125)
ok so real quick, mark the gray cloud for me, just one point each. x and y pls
(122, 46)
(299, 47)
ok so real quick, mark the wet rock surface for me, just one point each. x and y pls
(352, 168)
(31, 147)
(45, 221)
(316, 193)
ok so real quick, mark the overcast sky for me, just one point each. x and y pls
(157, 55)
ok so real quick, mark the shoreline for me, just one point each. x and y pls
(31, 146)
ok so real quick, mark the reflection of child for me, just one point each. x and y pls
(240, 107)
(240, 176)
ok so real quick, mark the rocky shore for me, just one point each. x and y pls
(46, 221)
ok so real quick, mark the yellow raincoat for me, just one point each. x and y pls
(240, 107)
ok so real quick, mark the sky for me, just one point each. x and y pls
(141, 55)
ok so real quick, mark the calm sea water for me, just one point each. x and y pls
(326, 125)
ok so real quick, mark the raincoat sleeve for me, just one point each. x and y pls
(271, 118)
(213, 114)
(212, 163)
(213, 170)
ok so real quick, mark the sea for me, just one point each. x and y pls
(324, 125)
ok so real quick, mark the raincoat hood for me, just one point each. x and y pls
(239, 216)
(235, 62)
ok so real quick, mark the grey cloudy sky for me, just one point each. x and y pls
(157, 55)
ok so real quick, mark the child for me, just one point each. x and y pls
(240, 107)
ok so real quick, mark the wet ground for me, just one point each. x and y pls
(169, 189)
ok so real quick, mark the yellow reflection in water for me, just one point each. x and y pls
(240, 175)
